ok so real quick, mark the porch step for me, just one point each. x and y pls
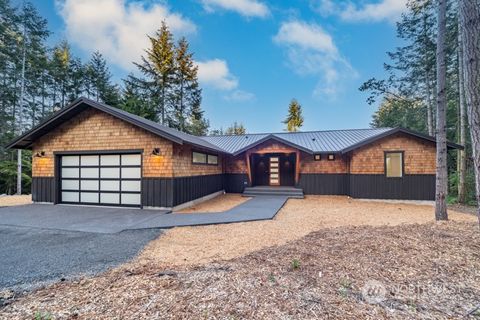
(273, 191)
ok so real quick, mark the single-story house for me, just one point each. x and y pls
(92, 153)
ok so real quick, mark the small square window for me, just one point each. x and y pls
(331, 157)
(317, 157)
(212, 159)
(200, 158)
(394, 164)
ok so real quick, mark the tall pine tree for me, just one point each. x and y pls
(294, 120)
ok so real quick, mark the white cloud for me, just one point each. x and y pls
(117, 28)
(248, 8)
(215, 73)
(389, 10)
(312, 51)
(240, 96)
(373, 11)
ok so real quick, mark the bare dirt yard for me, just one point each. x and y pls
(321, 257)
(15, 200)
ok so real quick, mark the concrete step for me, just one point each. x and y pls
(273, 191)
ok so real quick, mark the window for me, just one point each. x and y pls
(212, 159)
(394, 164)
(204, 158)
(200, 158)
(331, 157)
(317, 157)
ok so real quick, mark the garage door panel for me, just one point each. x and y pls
(113, 173)
(71, 196)
(110, 198)
(131, 186)
(70, 184)
(70, 172)
(90, 160)
(132, 173)
(89, 197)
(89, 185)
(89, 173)
(103, 179)
(131, 160)
(110, 160)
(110, 185)
(131, 198)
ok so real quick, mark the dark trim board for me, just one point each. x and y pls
(43, 189)
(378, 186)
(324, 183)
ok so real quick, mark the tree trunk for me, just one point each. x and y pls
(470, 29)
(428, 84)
(441, 177)
(462, 160)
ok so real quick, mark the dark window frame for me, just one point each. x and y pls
(206, 158)
(317, 155)
(331, 154)
(385, 153)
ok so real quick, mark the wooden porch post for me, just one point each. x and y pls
(297, 167)
(249, 173)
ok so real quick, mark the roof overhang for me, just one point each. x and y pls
(393, 131)
(272, 137)
(25, 140)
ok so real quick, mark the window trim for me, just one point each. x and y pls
(317, 155)
(402, 152)
(331, 154)
(206, 159)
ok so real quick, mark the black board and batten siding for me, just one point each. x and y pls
(43, 189)
(235, 182)
(157, 192)
(186, 189)
(324, 184)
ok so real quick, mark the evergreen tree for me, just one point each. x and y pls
(198, 125)
(134, 101)
(236, 129)
(294, 120)
(158, 68)
(99, 86)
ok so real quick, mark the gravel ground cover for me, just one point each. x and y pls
(15, 200)
(428, 271)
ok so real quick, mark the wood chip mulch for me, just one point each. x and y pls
(421, 271)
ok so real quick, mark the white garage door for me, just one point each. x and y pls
(101, 179)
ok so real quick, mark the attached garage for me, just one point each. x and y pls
(100, 179)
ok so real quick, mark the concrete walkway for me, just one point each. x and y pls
(257, 208)
(114, 220)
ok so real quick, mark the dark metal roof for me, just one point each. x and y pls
(332, 141)
(81, 104)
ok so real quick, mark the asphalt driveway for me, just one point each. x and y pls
(31, 256)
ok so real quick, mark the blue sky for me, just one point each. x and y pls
(254, 56)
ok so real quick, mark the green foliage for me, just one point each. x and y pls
(295, 264)
(42, 316)
(236, 129)
(399, 113)
(294, 118)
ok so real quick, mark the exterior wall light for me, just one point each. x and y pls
(40, 154)
(156, 152)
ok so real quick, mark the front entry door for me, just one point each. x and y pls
(274, 171)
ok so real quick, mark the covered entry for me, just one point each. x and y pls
(112, 179)
(273, 169)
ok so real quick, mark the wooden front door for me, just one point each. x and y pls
(274, 171)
